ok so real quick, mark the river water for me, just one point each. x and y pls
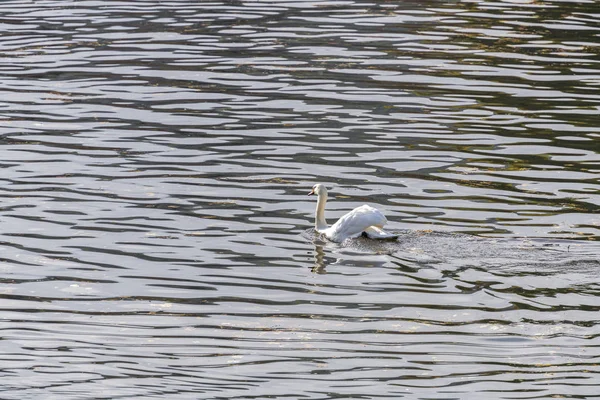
(156, 234)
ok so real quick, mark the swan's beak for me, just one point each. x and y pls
(311, 192)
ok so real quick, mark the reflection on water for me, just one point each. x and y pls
(319, 266)
(155, 160)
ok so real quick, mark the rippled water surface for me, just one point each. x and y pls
(156, 234)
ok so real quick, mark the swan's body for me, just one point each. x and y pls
(364, 219)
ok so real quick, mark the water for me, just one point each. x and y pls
(156, 234)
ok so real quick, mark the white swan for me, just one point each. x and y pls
(363, 219)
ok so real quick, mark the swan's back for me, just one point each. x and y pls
(355, 223)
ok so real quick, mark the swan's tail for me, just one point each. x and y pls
(374, 232)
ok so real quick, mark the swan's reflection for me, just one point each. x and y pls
(351, 259)
(359, 252)
(319, 267)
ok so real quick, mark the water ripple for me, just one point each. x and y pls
(156, 235)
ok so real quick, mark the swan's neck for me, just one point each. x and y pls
(320, 223)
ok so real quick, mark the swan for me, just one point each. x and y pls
(364, 219)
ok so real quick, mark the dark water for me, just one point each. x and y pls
(156, 238)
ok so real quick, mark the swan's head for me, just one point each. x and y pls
(319, 190)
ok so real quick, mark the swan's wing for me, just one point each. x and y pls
(355, 223)
(375, 232)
